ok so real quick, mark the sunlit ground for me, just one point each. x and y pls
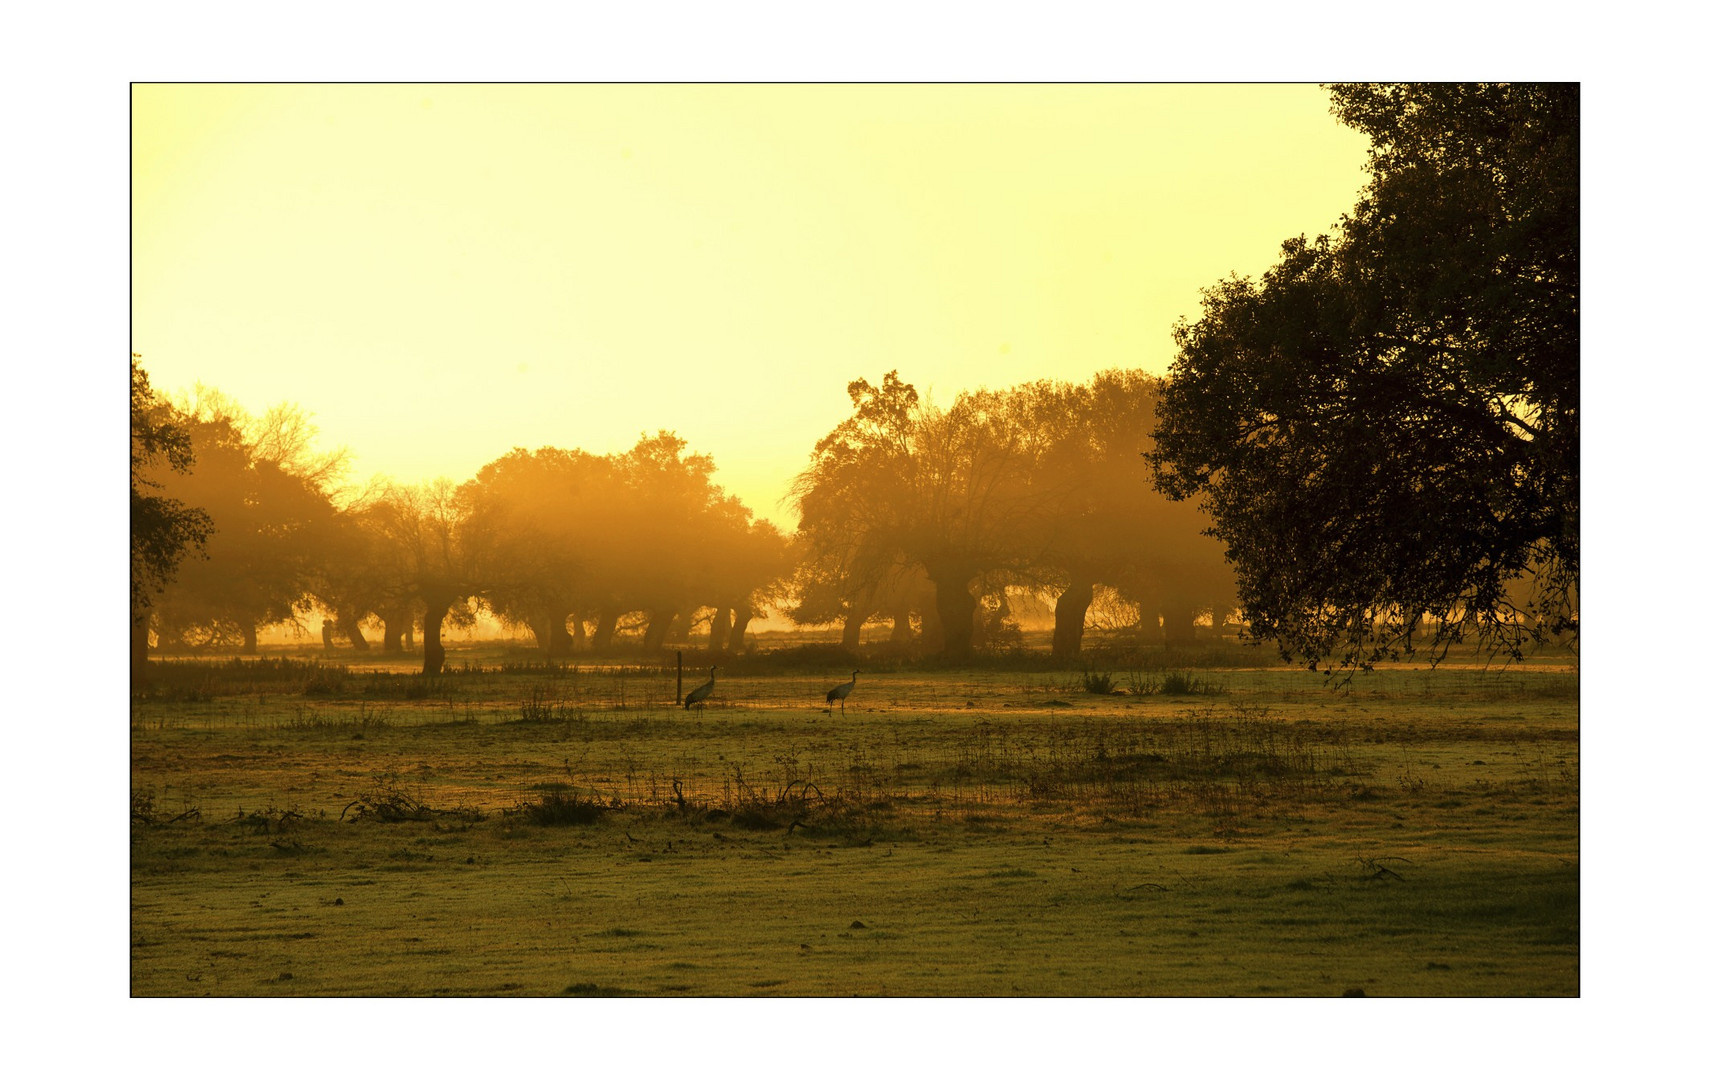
(305, 829)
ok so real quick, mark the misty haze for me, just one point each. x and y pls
(812, 541)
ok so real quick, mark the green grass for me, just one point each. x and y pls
(547, 830)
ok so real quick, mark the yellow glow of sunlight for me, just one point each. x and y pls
(439, 273)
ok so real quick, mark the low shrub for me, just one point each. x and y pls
(1175, 684)
(387, 802)
(1098, 682)
(541, 708)
(561, 806)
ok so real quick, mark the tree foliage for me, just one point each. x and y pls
(1044, 486)
(902, 483)
(1385, 427)
(567, 534)
(163, 529)
(428, 555)
(1107, 525)
(272, 518)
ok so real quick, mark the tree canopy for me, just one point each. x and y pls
(1385, 427)
(568, 534)
(1042, 487)
(163, 529)
(271, 514)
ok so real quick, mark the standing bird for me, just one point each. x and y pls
(840, 694)
(698, 695)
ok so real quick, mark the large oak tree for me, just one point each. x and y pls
(903, 483)
(1385, 427)
(265, 492)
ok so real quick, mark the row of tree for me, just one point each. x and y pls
(551, 540)
(911, 508)
(909, 512)
(1382, 432)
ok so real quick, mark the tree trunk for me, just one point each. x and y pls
(852, 624)
(578, 641)
(353, 630)
(901, 632)
(605, 629)
(931, 626)
(167, 640)
(1146, 624)
(392, 633)
(433, 651)
(658, 625)
(1071, 620)
(541, 628)
(549, 633)
(250, 648)
(326, 632)
(740, 618)
(956, 609)
(977, 629)
(1178, 625)
(139, 650)
(560, 645)
(718, 636)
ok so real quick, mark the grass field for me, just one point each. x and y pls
(516, 828)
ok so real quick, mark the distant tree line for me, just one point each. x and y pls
(909, 512)
(563, 543)
(1375, 446)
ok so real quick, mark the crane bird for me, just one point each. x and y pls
(840, 694)
(698, 695)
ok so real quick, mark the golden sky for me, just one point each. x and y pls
(438, 273)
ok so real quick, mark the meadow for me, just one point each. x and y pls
(1159, 824)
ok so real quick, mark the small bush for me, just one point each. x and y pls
(305, 718)
(270, 820)
(562, 807)
(540, 708)
(323, 682)
(588, 989)
(423, 687)
(1176, 684)
(144, 812)
(387, 802)
(1098, 682)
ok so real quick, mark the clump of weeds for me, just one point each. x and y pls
(323, 682)
(305, 718)
(562, 805)
(144, 812)
(270, 820)
(1096, 682)
(386, 801)
(798, 803)
(541, 708)
(1175, 684)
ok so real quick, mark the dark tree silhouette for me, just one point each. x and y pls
(1385, 428)
(163, 530)
(265, 494)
